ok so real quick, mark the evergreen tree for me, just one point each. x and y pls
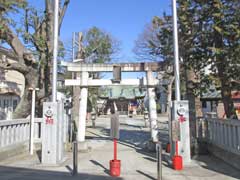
(209, 36)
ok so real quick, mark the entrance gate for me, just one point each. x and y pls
(84, 82)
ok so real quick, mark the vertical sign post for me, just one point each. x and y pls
(50, 135)
(180, 133)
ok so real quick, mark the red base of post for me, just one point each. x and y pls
(115, 168)
(115, 164)
(177, 162)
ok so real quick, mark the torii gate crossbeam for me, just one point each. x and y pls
(84, 82)
(125, 67)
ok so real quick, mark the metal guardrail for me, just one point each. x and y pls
(224, 133)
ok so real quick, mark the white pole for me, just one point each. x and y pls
(55, 52)
(32, 121)
(176, 54)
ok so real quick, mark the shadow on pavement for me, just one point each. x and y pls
(97, 136)
(132, 125)
(137, 139)
(134, 138)
(15, 173)
(39, 155)
(217, 165)
(165, 160)
(99, 164)
(69, 169)
(146, 175)
(163, 137)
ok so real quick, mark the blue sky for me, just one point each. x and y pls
(123, 19)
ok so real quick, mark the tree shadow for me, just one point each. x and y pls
(99, 164)
(132, 138)
(150, 159)
(217, 165)
(16, 173)
(39, 155)
(146, 175)
(132, 125)
(138, 139)
(69, 169)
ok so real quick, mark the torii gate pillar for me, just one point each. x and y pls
(83, 107)
(152, 107)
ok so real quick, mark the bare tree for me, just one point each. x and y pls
(38, 31)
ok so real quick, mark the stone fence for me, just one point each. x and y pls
(222, 133)
(17, 131)
(222, 137)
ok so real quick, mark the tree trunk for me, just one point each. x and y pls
(226, 89)
(195, 108)
(226, 93)
(24, 107)
(169, 94)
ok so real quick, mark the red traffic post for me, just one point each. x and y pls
(177, 160)
(115, 164)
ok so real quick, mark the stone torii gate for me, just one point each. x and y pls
(84, 82)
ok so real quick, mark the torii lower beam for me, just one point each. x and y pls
(108, 82)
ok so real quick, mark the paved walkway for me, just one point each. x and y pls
(137, 163)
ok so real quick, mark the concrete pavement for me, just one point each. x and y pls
(137, 163)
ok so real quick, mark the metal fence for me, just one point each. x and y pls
(17, 131)
(224, 133)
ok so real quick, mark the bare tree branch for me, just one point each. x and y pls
(62, 13)
(15, 66)
(11, 38)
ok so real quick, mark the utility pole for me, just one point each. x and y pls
(176, 53)
(55, 52)
(180, 139)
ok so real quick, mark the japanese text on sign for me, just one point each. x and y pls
(49, 121)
